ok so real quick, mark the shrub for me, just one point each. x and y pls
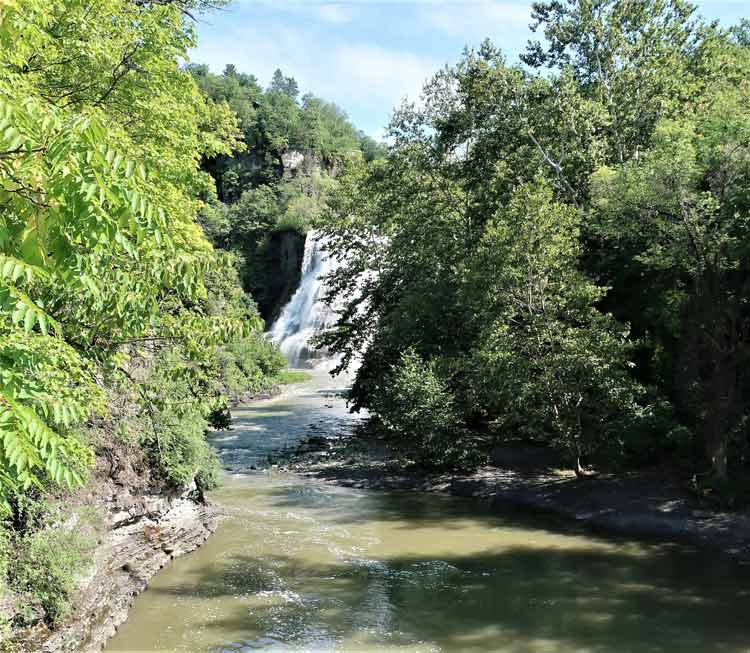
(180, 451)
(46, 558)
(179, 398)
(4, 559)
(4, 568)
(292, 376)
(251, 365)
(49, 566)
(415, 405)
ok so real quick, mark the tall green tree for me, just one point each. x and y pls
(99, 184)
(548, 363)
(681, 213)
(633, 58)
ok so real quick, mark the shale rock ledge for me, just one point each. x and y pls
(144, 533)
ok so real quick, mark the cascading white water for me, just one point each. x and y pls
(306, 315)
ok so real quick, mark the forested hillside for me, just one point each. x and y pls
(269, 195)
(556, 250)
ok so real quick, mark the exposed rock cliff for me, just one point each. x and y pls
(285, 252)
(143, 534)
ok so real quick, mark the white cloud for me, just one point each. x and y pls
(335, 13)
(365, 80)
(475, 20)
(374, 72)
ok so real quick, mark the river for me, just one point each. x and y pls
(302, 565)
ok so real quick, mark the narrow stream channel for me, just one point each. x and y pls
(302, 565)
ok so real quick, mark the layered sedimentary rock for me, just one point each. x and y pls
(143, 534)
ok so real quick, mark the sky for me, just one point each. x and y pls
(368, 55)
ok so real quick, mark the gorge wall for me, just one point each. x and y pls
(285, 252)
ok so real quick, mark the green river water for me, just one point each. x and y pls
(305, 566)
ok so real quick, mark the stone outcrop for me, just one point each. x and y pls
(292, 161)
(143, 534)
(285, 252)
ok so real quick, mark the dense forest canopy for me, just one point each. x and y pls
(557, 250)
(274, 121)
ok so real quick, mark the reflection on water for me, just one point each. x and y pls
(299, 565)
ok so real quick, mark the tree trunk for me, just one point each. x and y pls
(715, 439)
(718, 421)
(710, 364)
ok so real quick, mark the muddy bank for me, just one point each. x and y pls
(243, 398)
(646, 504)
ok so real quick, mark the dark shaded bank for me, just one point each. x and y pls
(646, 504)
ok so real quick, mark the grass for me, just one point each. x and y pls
(286, 377)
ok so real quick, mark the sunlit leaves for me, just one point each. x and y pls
(45, 388)
(95, 252)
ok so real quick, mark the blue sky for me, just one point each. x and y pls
(368, 55)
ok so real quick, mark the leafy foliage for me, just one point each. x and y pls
(549, 362)
(100, 252)
(414, 403)
(564, 242)
(680, 215)
(174, 437)
(45, 559)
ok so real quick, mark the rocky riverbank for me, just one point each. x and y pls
(136, 525)
(651, 504)
(143, 533)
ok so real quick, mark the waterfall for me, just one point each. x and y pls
(306, 315)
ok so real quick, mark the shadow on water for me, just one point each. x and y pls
(409, 509)
(532, 599)
(303, 565)
(524, 592)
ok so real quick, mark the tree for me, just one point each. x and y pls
(285, 85)
(89, 261)
(681, 213)
(631, 57)
(549, 364)
(415, 405)
(407, 226)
